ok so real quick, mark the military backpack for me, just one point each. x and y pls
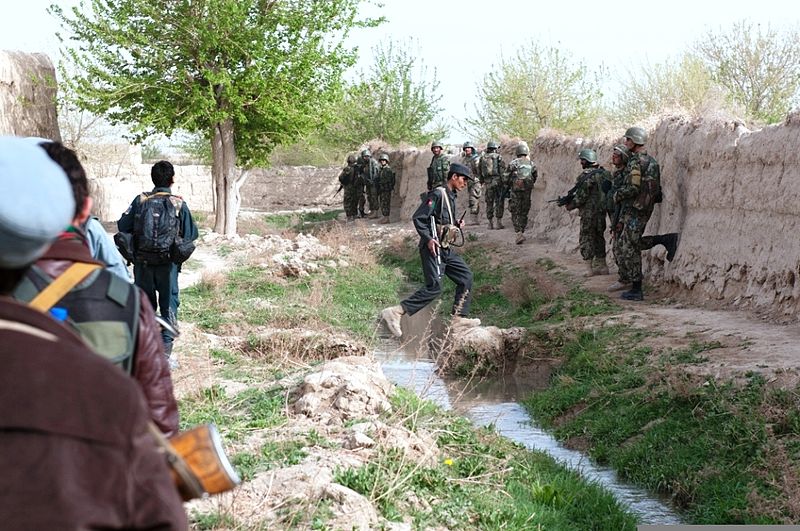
(522, 176)
(490, 165)
(156, 230)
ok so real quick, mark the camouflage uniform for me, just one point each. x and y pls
(473, 186)
(385, 184)
(368, 168)
(520, 177)
(591, 204)
(437, 171)
(617, 179)
(351, 183)
(490, 173)
(641, 174)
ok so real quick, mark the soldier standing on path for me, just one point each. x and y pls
(520, 178)
(638, 195)
(470, 159)
(351, 183)
(619, 158)
(437, 169)
(368, 169)
(591, 204)
(385, 184)
(491, 171)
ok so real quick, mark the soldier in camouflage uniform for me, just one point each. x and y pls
(491, 169)
(470, 159)
(439, 166)
(590, 201)
(368, 168)
(638, 195)
(619, 158)
(385, 184)
(351, 184)
(520, 177)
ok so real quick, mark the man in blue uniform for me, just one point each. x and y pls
(437, 213)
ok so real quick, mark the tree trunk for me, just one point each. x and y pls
(226, 180)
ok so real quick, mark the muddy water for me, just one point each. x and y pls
(496, 402)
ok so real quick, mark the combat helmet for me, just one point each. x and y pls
(637, 135)
(492, 144)
(437, 143)
(468, 144)
(366, 152)
(588, 155)
(624, 152)
(522, 149)
(384, 156)
(352, 158)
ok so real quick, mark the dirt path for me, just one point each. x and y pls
(744, 341)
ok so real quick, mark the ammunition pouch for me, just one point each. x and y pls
(450, 235)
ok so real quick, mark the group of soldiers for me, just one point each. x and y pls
(367, 183)
(627, 198)
(623, 199)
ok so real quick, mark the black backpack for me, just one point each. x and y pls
(156, 228)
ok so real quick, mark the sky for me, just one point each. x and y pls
(463, 39)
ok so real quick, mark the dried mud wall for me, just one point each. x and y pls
(731, 193)
(27, 95)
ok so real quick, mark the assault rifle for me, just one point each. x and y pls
(337, 191)
(435, 235)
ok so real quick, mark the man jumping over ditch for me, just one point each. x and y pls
(437, 213)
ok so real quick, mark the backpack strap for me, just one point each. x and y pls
(61, 285)
(446, 201)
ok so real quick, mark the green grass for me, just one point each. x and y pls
(697, 439)
(300, 221)
(483, 481)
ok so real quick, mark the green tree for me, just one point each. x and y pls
(246, 74)
(394, 100)
(540, 87)
(649, 89)
(758, 66)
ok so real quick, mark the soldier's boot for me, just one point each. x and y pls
(619, 286)
(475, 220)
(172, 358)
(459, 321)
(635, 293)
(670, 241)
(361, 214)
(500, 223)
(384, 220)
(391, 316)
(600, 266)
(589, 268)
(491, 223)
(520, 238)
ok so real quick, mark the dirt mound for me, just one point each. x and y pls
(28, 95)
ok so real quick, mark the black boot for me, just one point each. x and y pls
(670, 241)
(635, 294)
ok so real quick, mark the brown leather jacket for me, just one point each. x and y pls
(150, 366)
(75, 450)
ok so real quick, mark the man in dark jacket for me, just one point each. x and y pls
(120, 320)
(160, 279)
(438, 258)
(75, 447)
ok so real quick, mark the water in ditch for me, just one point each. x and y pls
(496, 402)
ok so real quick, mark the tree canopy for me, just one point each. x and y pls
(758, 66)
(246, 74)
(393, 100)
(540, 87)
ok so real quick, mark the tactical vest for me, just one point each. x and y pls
(103, 309)
(522, 176)
(650, 185)
(490, 166)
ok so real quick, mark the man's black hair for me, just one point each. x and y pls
(69, 162)
(162, 174)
